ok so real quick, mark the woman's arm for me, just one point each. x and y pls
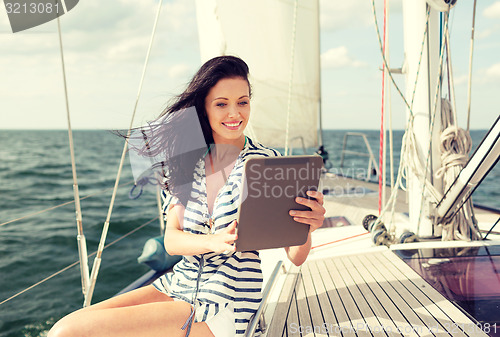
(314, 218)
(178, 242)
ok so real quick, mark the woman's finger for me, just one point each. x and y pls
(313, 223)
(312, 204)
(231, 238)
(306, 214)
(316, 195)
(231, 228)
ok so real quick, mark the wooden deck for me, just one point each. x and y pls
(373, 294)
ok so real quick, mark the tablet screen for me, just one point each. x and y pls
(270, 186)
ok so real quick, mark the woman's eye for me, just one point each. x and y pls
(243, 103)
(221, 104)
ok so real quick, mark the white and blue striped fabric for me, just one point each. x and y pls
(234, 277)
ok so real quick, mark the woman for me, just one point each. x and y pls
(224, 285)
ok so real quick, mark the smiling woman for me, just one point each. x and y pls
(213, 290)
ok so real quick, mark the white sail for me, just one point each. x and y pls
(263, 35)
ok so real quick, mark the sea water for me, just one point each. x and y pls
(35, 174)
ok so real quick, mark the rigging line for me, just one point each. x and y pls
(381, 174)
(433, 113)
(469, 85)
(292, 59)
(384, 59)
(450, 79)
(409, 106)
(97, 260)
(61, 205)
(408, 131)
(406, 146)
(76, 262)
(82, 246)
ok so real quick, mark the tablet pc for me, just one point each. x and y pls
(269, 188)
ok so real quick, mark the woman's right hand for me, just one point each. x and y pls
(224, 240)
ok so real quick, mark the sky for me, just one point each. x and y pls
(105, 45)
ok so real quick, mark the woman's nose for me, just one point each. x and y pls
(233, 110)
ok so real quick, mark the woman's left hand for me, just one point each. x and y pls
(314, 218)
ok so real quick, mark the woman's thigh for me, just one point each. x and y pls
(142, 312)
(147, 294)
(152, 319)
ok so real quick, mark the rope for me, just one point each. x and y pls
(408, 141)
(469, 85)
(456, 144)
(97, 260)
(340, 240)
(384, 59)
(436, 195)
(381, 159)
(292, 59)
(82, 246)
(75, 263)
(60, 205)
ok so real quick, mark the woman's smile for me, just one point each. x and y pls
(232, 125)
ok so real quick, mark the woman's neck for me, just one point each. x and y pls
(224, 154)
(227, 148)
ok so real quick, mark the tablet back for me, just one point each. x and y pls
(270, 186)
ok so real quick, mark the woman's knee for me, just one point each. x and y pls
(66, 326)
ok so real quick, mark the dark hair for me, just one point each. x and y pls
(207, 77)
(169, 137)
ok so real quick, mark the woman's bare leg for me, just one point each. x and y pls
(144, 295)
(142, 312)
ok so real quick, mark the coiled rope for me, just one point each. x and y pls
(409, 155)
(456, 144)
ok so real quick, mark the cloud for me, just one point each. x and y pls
(483, 34)
(492, 11)
(179, 71)
(108, 27)
(336, 15)
(339, 57)
(461, 79)
(493, 72)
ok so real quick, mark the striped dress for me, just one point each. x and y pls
(231, 280)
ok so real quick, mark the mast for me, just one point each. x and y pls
(425, 127)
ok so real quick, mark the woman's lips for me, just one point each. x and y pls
(232, 125)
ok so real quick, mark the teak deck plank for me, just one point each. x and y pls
(389, 317)
(283, 305)
(315, 309)
(350, 304)
(337, 306)
(374, 294)
(302, 306)
(397, 300)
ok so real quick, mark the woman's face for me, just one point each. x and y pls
(228, 109)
